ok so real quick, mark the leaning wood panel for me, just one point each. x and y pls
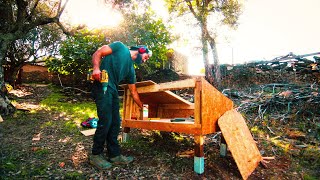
(188, 128)
(213, 105)
(240, 142)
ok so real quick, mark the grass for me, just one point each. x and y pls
(77, 111)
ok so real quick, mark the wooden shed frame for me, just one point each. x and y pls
(209, 105)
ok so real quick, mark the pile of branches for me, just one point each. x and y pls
(289, 62)
(284, 99)
(285, 69)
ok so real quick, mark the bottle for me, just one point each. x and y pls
(145, 113)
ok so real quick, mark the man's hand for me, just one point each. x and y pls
(96, 75)
(135, 95)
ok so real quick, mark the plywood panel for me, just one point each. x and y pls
(162, 97)
(240, 142)
(213, 105)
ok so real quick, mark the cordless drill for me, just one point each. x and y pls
(103, 79)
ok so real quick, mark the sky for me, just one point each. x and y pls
(276, 27)
(267, 29)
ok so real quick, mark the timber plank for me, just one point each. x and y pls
(164, 125)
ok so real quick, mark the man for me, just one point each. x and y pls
(118, 63)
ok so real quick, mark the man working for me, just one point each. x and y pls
(118, 63)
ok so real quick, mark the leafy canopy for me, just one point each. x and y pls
(136, 29)
(76, 52)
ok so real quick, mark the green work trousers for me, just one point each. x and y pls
(109, 121)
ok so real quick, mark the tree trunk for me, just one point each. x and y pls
(6, 108)
(208, 70)
(17, 23)
(13, 74)
(216, 63)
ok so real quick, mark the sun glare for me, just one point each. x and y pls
(94, 14)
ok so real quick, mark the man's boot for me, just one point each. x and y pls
(100, 162)
(121, 159)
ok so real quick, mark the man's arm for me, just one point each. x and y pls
(96, 59)
(135, 95)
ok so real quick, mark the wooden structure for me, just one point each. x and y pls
(164, 107)
(209, 104)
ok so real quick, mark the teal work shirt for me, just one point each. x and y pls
(119, 65)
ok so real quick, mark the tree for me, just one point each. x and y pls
(76, 51)
(17, 19)
(147, 29)
(40, 43)
(144, 28)
(228, 10)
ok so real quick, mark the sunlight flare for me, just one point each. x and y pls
(94, 14)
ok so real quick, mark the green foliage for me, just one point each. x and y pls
(28, 32)
(8, 165)
(76, 52)
(229, 10)
(42, 152)
(74, 175)
(155, 35)
(148, 30)
(135, 29)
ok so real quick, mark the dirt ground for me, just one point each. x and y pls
(37, 147)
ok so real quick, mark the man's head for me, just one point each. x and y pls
(143, 53)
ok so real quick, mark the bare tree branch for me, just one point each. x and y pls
(33, 9)
(62, 8)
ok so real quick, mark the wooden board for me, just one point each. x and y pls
(162, 97)
(163, 125)
(88, 132)
(240, 142)
(139, 84)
